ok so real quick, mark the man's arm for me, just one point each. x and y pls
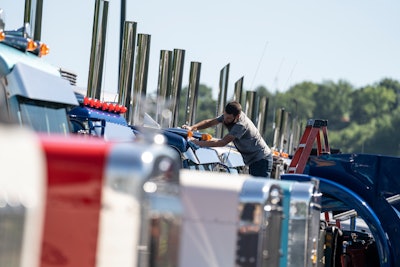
(202, 125)
(215, 142)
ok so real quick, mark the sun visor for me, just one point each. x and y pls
(33, 83)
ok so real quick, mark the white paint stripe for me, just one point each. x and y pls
(210, 220)
(23, 178)
(120, 213)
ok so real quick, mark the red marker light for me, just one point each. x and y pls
(97, 103)
(86, 101)
(123, 109)
(111, 108)
(104, 106)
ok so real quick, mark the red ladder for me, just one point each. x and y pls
(312, 131)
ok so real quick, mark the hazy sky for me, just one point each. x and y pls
(271, 43)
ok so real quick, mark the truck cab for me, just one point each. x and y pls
(32, 92)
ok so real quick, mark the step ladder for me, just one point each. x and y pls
(313, 131)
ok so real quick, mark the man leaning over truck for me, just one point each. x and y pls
(244, 134)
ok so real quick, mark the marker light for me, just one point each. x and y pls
(2, 36)
(206, 137)
(97, 104)
(43, 49)
(189, 134)
(31, 45)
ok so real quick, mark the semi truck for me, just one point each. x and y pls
(24, 97)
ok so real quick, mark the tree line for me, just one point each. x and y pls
(360, 120)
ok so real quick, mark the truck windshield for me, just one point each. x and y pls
(44, 118)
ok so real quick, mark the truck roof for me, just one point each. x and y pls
(10, 56)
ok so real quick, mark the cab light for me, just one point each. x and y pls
(111, 107)
(43, 49)
(104, 106)
(97, 104)
(31, 45)
(189, 134)
(2, 36)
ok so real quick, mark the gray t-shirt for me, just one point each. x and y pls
(247, 139)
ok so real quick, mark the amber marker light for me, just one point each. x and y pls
(31, 45)
(206, 137)
(2, 36)
(189, 134)
(44, 49)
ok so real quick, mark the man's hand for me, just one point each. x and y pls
(187, 127)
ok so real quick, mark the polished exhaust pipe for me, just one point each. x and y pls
(163, 115)
(262, 116)
(238, 91)
(223, 88)
(283, 131)
(176, 84)
(192, 93)
(33, 16)
(251, 106)
(97, 50)
(277, 128)
(140, 83)
(126, 66)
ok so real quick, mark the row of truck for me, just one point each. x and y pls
(81, 186)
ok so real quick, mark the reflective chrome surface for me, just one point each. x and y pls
(192, 94)
(223, 89)
(97, 49)
(163, 115)
(126, 66)
(140, 83)
(176, 83)
(251, 105)
(141, 214)
(259, 230)
(262, 116)
(238, 91)
(303, 224)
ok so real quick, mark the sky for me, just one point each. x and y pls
(275, 44)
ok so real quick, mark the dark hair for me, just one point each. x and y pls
(234, 108)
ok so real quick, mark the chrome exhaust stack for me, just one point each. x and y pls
(237, 96)
(97, 50)
(223, 88)
(192, 93)
(33, 16)
(163, 116)
(251, 106)
(126, 66)
(176, 84)
(262, 116)
(140, 83)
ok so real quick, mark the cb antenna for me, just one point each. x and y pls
(259, 64)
